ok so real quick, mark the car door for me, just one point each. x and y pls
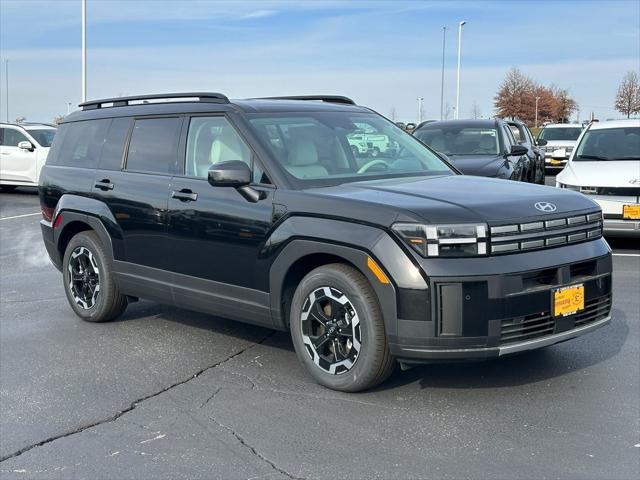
(520, 165)
(17, 165)
(134, 183)
(215, 234)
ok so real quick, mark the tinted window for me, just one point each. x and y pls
(11, 137)
(44, 136)
(81, 144)
(457, 140)
(153, 145)
(213, 140)
(515, 132)
(111, 157)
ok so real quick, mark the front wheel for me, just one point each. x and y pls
(338, 331)
(88, 280)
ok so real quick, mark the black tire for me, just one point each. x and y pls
(373, 362)
(107, 303)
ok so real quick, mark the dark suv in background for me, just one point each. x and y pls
(258, 210)
(486, 148)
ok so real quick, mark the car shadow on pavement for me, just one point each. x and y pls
(520, 369)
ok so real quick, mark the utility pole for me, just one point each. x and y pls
(84, 50)
(6, 79)
(420, 99)
(460, 25)
(68, 108)
(444, 39)
(536, 122)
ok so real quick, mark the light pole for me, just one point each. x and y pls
(420, 99)
(84, 50)
(536, 122)
(68, 108)
(6, 79)
(460, 25)
(444, 38)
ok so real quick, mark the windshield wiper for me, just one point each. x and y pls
(594, 157)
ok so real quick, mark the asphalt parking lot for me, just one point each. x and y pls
(170, 393)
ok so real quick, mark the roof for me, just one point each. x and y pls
(564, 125)
(631, 122)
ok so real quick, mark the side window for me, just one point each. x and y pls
(508, 138)
(153, 145)
(515, 132)
(81, 144)
(213, 140)
(12, 137)
(113, 148)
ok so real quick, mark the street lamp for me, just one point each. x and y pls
(420, 99)
(536, 122)
(444, 37)
(84, 50)
(460, 25)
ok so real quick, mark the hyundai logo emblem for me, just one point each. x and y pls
(545, 206)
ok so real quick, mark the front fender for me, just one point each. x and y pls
(298, 237)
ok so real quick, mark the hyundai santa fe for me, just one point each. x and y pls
(258, 210)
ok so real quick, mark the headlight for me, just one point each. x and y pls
(575, 188)
(450, 240)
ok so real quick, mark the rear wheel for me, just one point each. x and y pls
(88, 281)
(338, 331)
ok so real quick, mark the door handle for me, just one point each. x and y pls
(104, 184)
(184, 195)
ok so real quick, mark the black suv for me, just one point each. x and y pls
(257, 210)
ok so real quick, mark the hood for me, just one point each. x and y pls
(602, 174)
(451, 199)
(477, 164)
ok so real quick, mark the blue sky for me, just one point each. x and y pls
(383, 54)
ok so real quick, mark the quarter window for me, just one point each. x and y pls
(111, 157)
(213, 140)
(81, 144)
(153, 145)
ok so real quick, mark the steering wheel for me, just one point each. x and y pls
(364, 168)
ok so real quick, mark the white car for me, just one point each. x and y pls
(606, 166)
(557, 141)
(23, 151)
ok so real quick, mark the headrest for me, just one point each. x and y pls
(303, 152)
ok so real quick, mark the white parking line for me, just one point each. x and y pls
(20, 216)
(626, 254)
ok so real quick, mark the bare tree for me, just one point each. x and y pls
(628, 96)
(58, 119)
(21, 119)
(392, 113)
(476, 112)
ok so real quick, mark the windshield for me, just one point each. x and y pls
(560, 133)
(456, 140)
(339, 147)
(44, 136)
(609, 144)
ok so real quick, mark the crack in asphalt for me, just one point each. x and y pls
(250, 448)
(134, 404)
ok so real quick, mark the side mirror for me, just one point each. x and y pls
(25, 145)
(236, 174)
(518, 151)
(541, 143)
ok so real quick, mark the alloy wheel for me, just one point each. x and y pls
(84, 277)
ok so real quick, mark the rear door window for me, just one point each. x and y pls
(113, 148)
(154, 145)
(12, 137)
(81, 144)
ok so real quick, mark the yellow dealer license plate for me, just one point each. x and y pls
(568, 300)
(631, 212)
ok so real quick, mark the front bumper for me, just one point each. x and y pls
(496, 308)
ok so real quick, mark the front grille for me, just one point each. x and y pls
(613, 191)
(541, 324)
(545, 233)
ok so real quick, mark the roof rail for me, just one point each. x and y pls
(322, 98)
(209, 97)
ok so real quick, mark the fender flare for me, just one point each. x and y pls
(299, 237)
(96, 214)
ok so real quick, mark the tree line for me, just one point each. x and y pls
(519, 95)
